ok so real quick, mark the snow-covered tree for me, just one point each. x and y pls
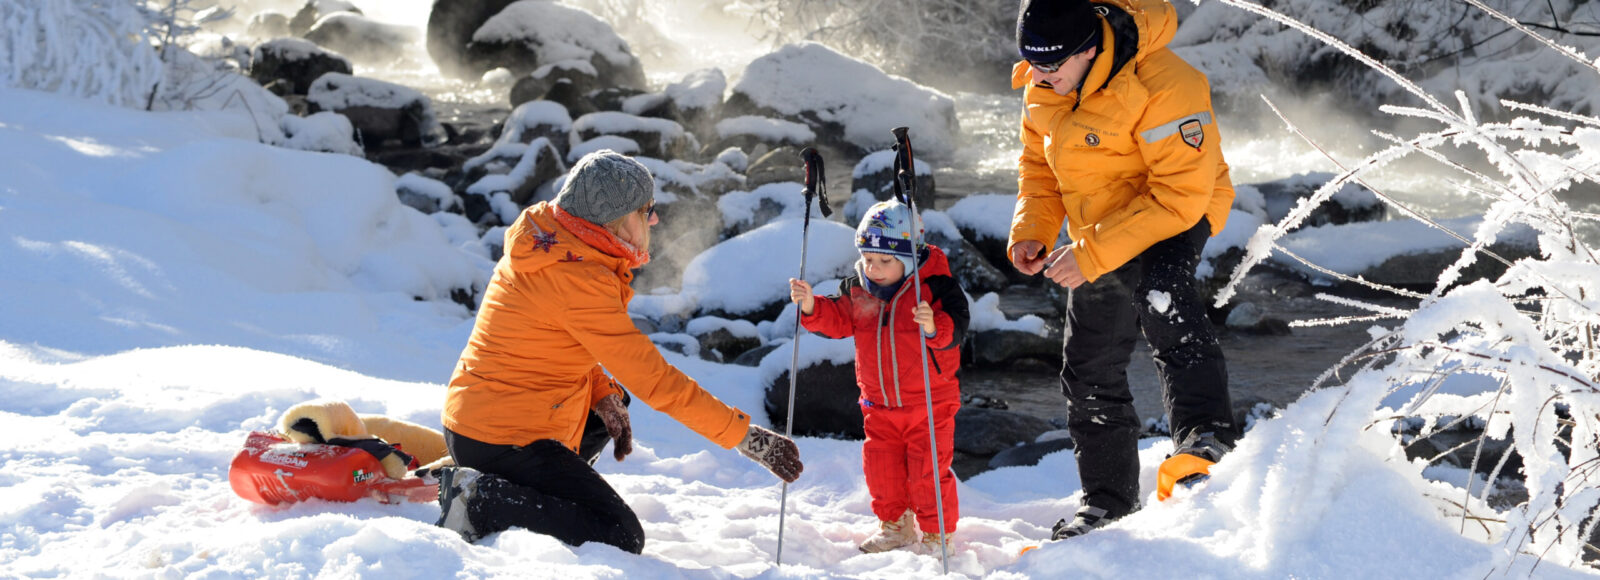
(99, 50)
(1534, 332)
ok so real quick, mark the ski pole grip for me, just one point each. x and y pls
(816, 181)
(905, 180)
(812, 163)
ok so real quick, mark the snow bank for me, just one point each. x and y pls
(309, 254)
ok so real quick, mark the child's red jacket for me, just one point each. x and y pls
(888, 367)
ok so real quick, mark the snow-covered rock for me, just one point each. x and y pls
(875, 174)
(721, 339)
(745, 130)
(427, 195)
(581, 77)
(616, 143)
(743, 211)
(531, 33)
(324, 132)
(298, 61)
(381, 111)
(451, 24)
(1273, 200)
(696, 99)
(536, 119)
(825, 402)
(268, 24)
(315, 10)
(848, 102)
(363, 39)
(1402, 253)
(659, 138)
(747, 277)
(539, 164)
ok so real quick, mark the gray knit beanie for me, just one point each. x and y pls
(605, 185)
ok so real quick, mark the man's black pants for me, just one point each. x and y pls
(1154, 293)
(546, 488)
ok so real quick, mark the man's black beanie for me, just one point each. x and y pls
(1051, 30)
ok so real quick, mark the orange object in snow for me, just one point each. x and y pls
(1182, 468)
(272, 470)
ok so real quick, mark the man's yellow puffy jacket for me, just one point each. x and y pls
(1134, 159)
(555, 311)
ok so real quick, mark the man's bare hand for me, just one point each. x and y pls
(1064, 269)
(1028, 256)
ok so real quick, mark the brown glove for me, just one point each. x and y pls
(615, 415)
(773, 451)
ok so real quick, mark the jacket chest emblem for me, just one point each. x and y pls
(1091, 139)
(571, 257)
(543, 241)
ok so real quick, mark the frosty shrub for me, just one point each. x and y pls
(1439, 45)
(98, 50)
(1534, 332)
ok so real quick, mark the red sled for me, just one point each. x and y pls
(273, 470)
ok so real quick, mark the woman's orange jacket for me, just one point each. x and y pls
(555, 312)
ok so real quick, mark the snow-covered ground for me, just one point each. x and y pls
(171, 285)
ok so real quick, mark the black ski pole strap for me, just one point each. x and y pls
(905, 170)
(896, 174)
(816, 182)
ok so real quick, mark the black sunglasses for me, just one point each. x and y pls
(650, 211)
(1048, 68)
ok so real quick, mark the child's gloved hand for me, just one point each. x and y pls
(923, 315)
(800, 293)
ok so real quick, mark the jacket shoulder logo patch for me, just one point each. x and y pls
(1192, 133)
(1091, 139)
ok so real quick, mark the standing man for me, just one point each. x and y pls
(1120, 142)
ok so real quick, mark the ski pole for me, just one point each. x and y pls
(905, 177)
(816, 186)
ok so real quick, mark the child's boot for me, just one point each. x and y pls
(891, 535)
(934, 544)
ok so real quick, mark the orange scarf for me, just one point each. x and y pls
(602, 239)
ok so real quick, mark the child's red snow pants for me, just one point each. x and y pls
(899, 465)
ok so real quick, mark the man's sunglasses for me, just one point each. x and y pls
(1048, 68)
(650, 211)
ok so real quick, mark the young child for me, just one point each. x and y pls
(879, 309)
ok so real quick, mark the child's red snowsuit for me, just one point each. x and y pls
(894, 406)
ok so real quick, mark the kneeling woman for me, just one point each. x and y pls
(530, 383)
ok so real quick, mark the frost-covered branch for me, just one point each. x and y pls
(1568, 52)
(1535, 329)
